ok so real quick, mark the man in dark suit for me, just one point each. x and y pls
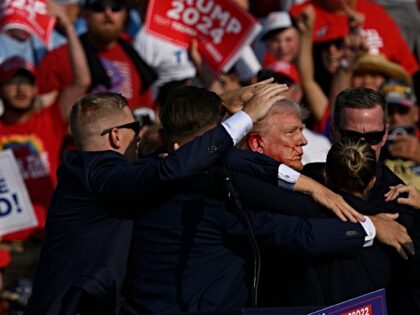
(361, 113)
(88, 230)
(190, 253)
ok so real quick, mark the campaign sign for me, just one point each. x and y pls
(28, 15)
(373, 303)
(16, 211)
(221, 27)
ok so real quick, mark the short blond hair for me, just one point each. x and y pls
(92, 112)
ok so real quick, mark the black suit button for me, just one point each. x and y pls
(212, 149)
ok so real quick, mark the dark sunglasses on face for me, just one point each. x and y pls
(99, 6)
(400, 109)
(135, 126)
(372, 138)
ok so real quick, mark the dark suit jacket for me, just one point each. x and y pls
(326, 281)
(191, 254)
(88, 229)
(329, 280)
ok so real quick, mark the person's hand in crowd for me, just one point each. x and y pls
(406, 147)
(390, 232)
(234, 100)
(355, 19)
(195, 55)
(412, 198)
(58, 11)
(259, 104)
(306, 20)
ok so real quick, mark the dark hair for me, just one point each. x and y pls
(360, 98)
(351, 165)
(190, 110)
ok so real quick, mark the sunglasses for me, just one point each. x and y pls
(372, 138)
(394, 109)
(99, 6)
(135, 126)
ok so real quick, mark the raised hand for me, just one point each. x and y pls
(258, 105)
(234, 100)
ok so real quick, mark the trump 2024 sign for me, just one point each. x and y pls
(221, 27)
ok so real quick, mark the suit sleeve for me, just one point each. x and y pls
(301, 237)
(142, 180)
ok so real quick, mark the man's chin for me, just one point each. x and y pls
(19, 107)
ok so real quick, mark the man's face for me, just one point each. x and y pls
(129, 138)
(331, 55)
(105, 20)
(362, 121)
(284, 45)
(368, 80)
(400, 115)
(284, 139)
(19, 93)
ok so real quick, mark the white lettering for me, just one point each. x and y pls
(218, 14)
(190, 16)
(233, 26)
(213, 52)
(175, 12)
(204, 9)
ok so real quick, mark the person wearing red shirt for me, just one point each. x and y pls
(35, 135)
(379, 30)
(113, 63)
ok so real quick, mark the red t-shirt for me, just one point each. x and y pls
(379, 29)
(54, 73)
(36, 145)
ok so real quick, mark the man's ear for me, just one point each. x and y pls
(115, 138)
(255, 142)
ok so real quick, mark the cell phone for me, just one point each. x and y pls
(144, 115)
(400, 130)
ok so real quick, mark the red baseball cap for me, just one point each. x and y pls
(328, 26)
(285, 69)
(13, 65)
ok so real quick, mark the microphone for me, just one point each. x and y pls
(222, 176)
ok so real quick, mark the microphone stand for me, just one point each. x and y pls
(235, 204)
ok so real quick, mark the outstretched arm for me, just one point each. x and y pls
(81, 74)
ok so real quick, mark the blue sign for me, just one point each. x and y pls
(373, 303)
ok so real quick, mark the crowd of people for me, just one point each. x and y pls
(162, 186)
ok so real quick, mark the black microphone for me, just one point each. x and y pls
(223, 176)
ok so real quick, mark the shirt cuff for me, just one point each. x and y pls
(237, 126)
(287, 177)
(370, 230)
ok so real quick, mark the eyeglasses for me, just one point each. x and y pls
(371, 138)
(100, 6)
(135, 126)
(400, 109)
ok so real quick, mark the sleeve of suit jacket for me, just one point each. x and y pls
(112, 180)
(301, 237)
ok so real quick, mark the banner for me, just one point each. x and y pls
(16, 211)
(28, 15)
(373, 303)
(221, 27)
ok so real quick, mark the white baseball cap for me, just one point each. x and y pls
(276, 21)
